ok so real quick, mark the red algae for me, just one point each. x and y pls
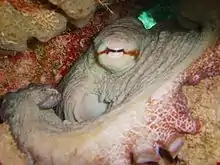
(23, 5)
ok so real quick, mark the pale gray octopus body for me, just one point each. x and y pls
(148, 109)
(123, 61)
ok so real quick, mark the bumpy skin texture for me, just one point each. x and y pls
(28, 105)
(135, 128)
(161, 50)
(44, 96)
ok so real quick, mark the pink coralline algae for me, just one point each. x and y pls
(207, 65)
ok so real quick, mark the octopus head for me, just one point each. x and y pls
(117, 53)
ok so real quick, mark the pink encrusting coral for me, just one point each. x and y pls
(207, 65)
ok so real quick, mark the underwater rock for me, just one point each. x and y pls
(199, 10)
(9, 153)
(22, 20)
(81, 11)
(17, 26)
(203, 100)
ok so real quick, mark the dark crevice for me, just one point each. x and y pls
(32, 43)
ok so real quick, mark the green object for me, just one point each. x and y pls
(147, 19)
(161, 10)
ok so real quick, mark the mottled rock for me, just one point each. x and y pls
(18, 26)
(81, 11)
(203, 100)
(9, 153)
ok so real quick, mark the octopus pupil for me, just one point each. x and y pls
(115, 51)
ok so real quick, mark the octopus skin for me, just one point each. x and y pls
(130, 133)
(90, 89)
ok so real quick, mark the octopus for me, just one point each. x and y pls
(141, 83)
(122, 62)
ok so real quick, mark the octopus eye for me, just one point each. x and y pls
(108, 50)
(115, 51)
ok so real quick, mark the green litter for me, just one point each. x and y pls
(161, 10)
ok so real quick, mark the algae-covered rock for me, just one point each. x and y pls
(9, 153)
(17, 26)
(81, 11)
(203, 100)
